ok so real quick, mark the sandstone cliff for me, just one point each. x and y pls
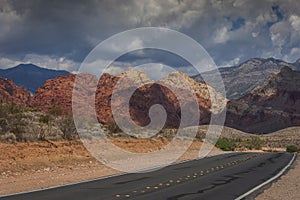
(9, 92)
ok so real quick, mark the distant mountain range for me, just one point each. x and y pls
(30, 76)
(240, 80)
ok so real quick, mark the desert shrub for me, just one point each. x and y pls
(4, 127)
(226, 144)
(112, 127)
(16, 125)
(46, 119)
(8, 137)
(3, 110)
(253, 143)
(14, 108)
(291, 148)
(68, 128)
(56, 111)
(10, 108)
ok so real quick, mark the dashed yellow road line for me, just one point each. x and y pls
(187, 177)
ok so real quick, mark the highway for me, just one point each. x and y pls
(226, 176)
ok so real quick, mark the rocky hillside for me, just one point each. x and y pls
(269, 107)
(240, 80)
(9, 92)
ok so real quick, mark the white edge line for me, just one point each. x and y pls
(268, 181)
(104, 177)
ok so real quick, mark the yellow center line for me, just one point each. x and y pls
(201, 173)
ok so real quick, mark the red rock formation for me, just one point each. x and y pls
(163, 92)
(9, 92)
(57, 93)
(103, 95)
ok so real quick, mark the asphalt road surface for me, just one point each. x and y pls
(220, 177)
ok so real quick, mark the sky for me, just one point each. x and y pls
(59, 34)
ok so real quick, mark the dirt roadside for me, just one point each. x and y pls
(32, 166)
(286, 187)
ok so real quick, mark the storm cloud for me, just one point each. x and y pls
(59, 34)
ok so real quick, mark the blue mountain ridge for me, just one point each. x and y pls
(30, 76)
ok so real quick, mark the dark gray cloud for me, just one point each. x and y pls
(60, 33)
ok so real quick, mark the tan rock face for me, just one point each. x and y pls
(9, 92)
(145, 94)
(168, 92)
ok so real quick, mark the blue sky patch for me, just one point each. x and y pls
(279, 15)
(237, 24)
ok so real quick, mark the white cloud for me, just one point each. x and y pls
(42, 61)
(295, 22)
(280, 33)
(293, 55)
(231, 63)
(57, 63)
(8, 63)
(221, 36)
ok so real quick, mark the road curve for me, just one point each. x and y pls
(223, 177)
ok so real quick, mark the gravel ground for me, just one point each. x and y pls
(286, 187)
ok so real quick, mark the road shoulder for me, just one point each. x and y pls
(286, 187)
